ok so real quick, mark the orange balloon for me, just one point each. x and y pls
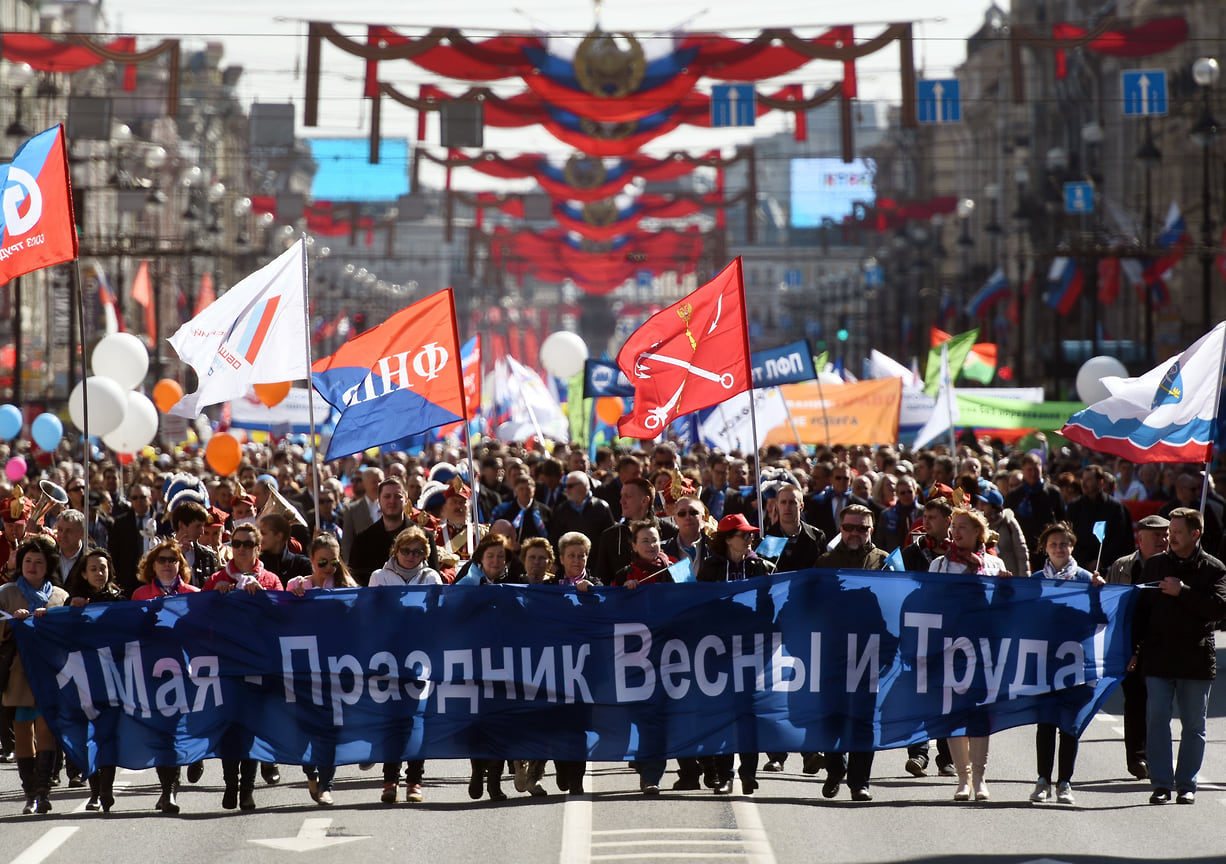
(609, 409)
(272, 394)
(224, 454)
(166, 393)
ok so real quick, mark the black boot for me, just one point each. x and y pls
(95, 791)
(44, 765)
(493, 780)
(106, 787)
(168, 802)
(25, 770)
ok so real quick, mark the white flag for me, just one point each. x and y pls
(533, 410)
(255, 333)
(945, 412)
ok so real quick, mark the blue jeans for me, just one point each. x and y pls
(1191, 695)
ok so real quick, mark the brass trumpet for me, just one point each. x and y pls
(50, 494)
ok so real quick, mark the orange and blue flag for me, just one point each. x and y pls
(395, 380)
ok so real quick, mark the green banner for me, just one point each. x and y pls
(989, 413)
(577, 409)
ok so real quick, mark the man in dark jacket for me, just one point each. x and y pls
(806, 543)
(1174, 645)
(275, 553)
(1094, 506)
(1036, 504)
(616, 544)
(823, 509)
(855, 551)
(580, 511)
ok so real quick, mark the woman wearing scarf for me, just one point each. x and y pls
(164, 571)
(732, 559)
(92, 580)
(1057, 542)
(968, 553)
(328, 572)
(406, 566)
(246, 572)
(647, 565)
(31, 594)
(407, 562)
(573, 551)
(489, 563)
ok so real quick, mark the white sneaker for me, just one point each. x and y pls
(1064, 793)
(1042, 792)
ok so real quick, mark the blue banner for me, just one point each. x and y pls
(811, 661)
(787, 364)
(603, 378)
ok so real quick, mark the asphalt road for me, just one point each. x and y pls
(787, 821)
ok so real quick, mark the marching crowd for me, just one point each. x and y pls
(168, 525)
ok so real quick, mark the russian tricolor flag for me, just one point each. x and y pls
(993, 291)
(1064, 283)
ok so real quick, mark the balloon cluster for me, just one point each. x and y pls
(46, 430)
(125, 420)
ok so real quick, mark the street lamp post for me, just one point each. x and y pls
(965, 209)
(1206, 72)
(1149, 155)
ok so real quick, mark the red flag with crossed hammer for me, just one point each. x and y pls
(690, 356)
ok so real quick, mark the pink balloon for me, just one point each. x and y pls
(15, 469)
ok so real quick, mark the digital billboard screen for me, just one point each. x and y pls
(344, 172)
(825, 188)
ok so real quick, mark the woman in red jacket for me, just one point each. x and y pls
(246, 573)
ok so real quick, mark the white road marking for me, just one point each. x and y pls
(576, 830)
(42, 848)
(749, 820)
(313, 835)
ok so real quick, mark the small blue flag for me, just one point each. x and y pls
(680, 571)
(1099, 530)
(771, 547)
(894, 561)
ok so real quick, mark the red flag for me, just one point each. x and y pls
(206, 295)
(142, 293)
(39, 228)
(1108, 280)
(690, 356)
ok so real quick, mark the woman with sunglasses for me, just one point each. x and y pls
(328, 571)
(164, 571)
(32, 594)
(732, 559)
(406, 566)
(92, 580)
(247, 573)
(968, 534)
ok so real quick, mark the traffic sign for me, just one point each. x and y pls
(874, 277)
(794, 278)
(733, 105)
(939, 100)
(1079, 197)
(1144, 92)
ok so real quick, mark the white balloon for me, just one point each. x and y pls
(122, 357)
(107, 405)
(1090, 388)
(139, 426)
(563, 353)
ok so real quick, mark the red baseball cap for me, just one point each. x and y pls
(735, 522)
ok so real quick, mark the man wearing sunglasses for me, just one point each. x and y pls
(133, 534)
(823, 509)
(855, 551)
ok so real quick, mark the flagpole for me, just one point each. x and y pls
(753, 409)
(949, 403)
(1217, 405)
(306, 330)
(76, 290)
(473, 477)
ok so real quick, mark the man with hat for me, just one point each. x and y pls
(1152, 538)
(1011, 541)
(457, 535)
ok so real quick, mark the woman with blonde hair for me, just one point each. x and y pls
(968, 553)
(406, 564)
(164, 572)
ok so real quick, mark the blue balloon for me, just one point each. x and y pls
(10, 422)
(47, 431)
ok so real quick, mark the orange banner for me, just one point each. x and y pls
(862, 413)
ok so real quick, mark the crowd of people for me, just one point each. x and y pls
(168, 525)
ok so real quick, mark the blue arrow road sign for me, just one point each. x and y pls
(939, 100)
(1078, 198)
(1144, 92)
(733, 105)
